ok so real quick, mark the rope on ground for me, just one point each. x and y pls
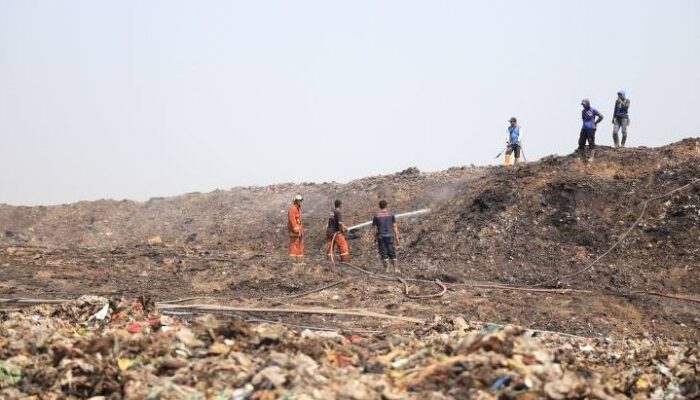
(624, 235)
(321, 311)
(423, 296)
(294, 296)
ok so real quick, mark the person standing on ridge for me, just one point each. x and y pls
(513, 144)
(335, 234)
(295, 229)
(591, 118)
(621, 118)
(386, 234)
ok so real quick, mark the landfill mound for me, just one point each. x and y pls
(124, 349)
(551, 218)
(598, 262)
(522, 225)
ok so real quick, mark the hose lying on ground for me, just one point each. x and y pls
(424, 296)
(185, 299)
(670, 296)
(402, 280)
(470, 285)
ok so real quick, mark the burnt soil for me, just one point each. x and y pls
(504, 226)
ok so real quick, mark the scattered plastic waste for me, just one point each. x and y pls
(73, 351)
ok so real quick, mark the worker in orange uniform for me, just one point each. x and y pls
(296, 230)
(335, 234)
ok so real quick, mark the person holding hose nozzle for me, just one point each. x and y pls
(513, 144)
(335, 234)
(591, 118)
(386, 235)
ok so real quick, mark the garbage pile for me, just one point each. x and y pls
(124, 349)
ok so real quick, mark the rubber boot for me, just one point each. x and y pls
(506, 162)
(386, 266)
(624, 139)
(395, 267)
(616, 139)
(516, 161)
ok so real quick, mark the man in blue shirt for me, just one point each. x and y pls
(514, 136)
(591, 118)
(386, 234)
(621, 118)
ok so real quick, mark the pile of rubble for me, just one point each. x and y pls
(118, 349)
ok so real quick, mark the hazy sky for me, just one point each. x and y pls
(134, 99)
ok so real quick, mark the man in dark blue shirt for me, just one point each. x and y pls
(591, 118)
(386, 234)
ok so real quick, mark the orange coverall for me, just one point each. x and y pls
(294, 226)
(336, 237)
(340, 243)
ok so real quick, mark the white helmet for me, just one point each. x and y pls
(298, 198)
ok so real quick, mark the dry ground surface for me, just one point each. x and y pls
(520, 229)
(263, 281)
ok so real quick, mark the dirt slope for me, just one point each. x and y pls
(552, 217)
(520, 225)
(250, 217)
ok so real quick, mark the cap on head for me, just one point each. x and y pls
(621, 93)
(585, 102)
(513, 119)
(298, 198)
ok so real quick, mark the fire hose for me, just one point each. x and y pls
(398, 216)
